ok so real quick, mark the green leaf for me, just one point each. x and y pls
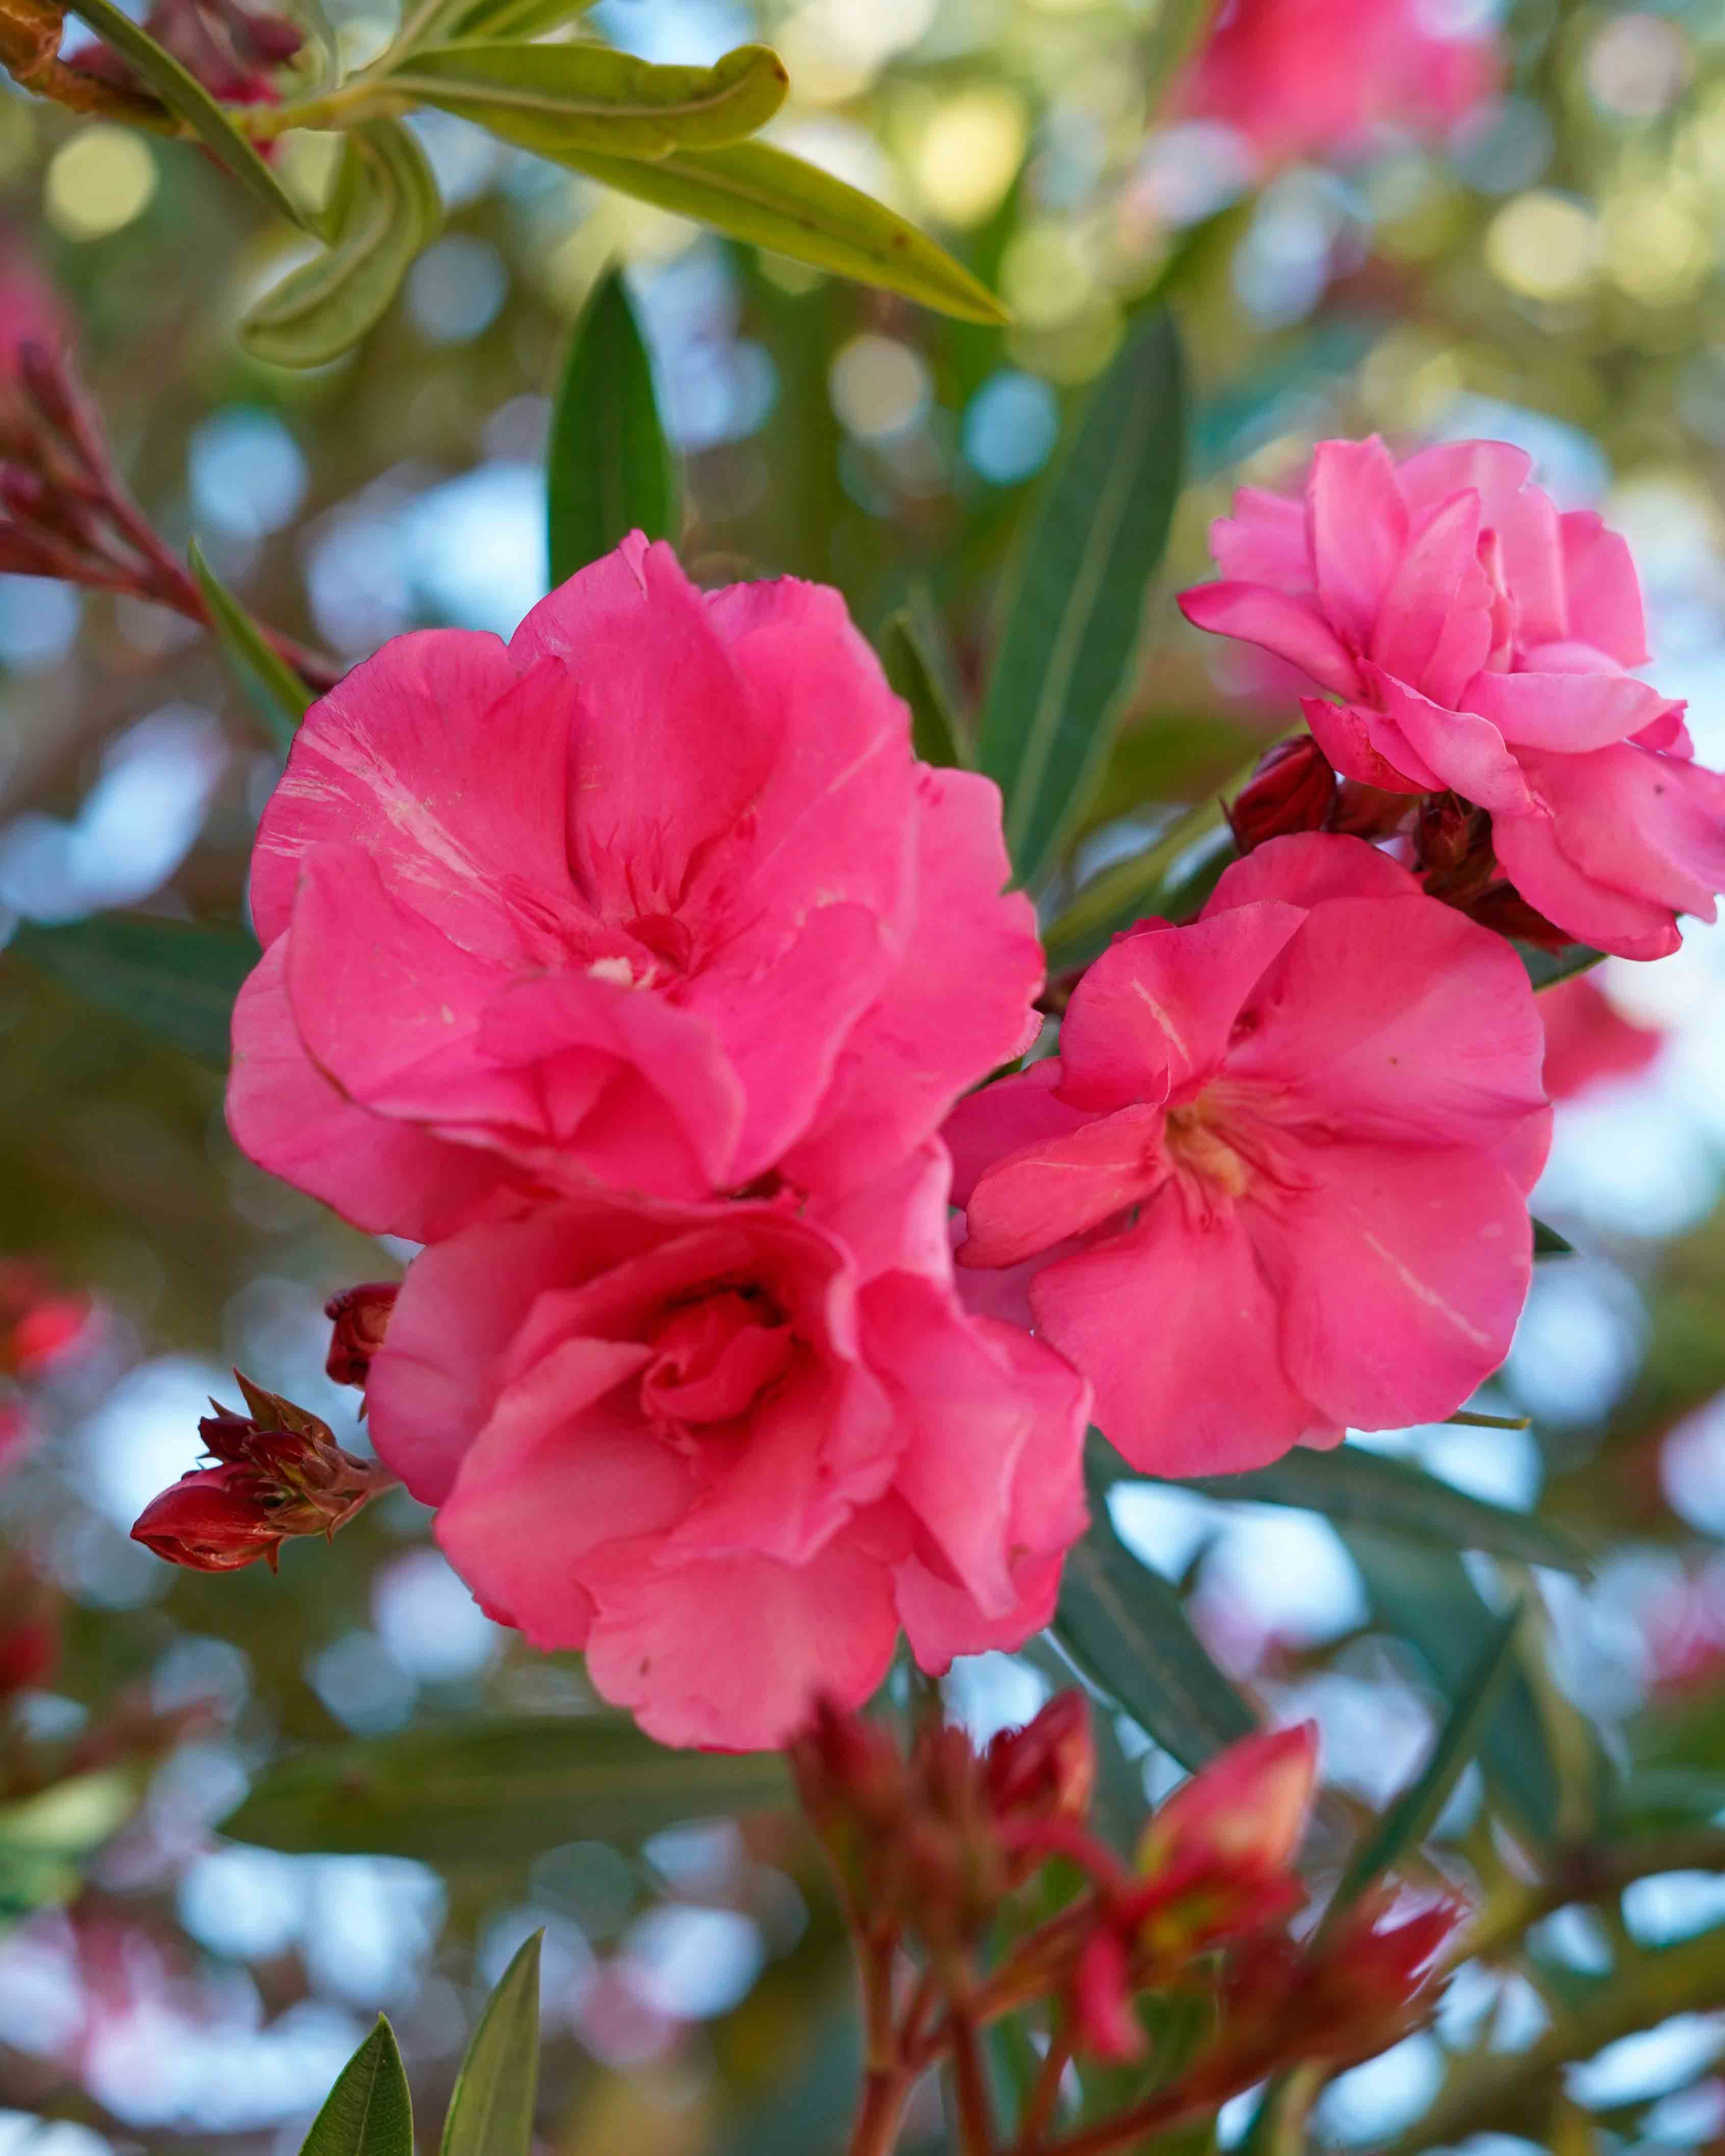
(281, 697)
(912, 656)
(450, 22)
(182, 92)
(369, 2112)
(497, 1789)
(1172, 877)
(176, 979)
(1546, 968)
(557, 98)
(1547, 1243)
(774, 200)
(1123, 1625)
(1412, 1816)
(1354, 1487)
(609, 467)
(491, 2109)
(1073, 606)
(384, 210)
(1425, 1597)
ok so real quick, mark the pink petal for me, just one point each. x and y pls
(1223, 1402)
(1520, 513)
(1397, 1021)
(1571, 713)
(1363, 744)
(1532, 853)
(1264, 541)
(1467, 753)
(1587, 1040)
(998, 1119)
(450, 770)
(731, 1653)
(958, 1005)
(1434, 627)
(1256, 613)
(387, 1178)
(1668, 733)
(1061, 1187)
(1650, 826)
(1152, 1017)
(1307, 867)
(1400, 1275)
(899, 1222)
(1358, 527)
(1602, 590)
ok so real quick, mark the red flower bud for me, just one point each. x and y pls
(213, 1519)
(1103, 2021)
(1365, 1990)
(1367, 812)
(1292, 789)
(1244, 1813)
(848, 1769)
(30, 1633)
(361, 1318)
(1048, 1766)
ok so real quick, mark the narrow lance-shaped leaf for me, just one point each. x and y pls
(491, 2107)
(1547, 1243)
(369, 2112)
(386, 208)
(610, 469)
(557, 98)
(281, 697)
(447, 22)
(1414, 1812)
(182, 92)
(911, 659)
(1547, 968)
(1125, 1628)
(1072, 608)
(174, 979)
(757, 194)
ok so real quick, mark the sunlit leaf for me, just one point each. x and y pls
(369, 2112)
(175, 979)
(495, 1789)
(1073, 606)
(557, 99)
(609, 470)
(492, 2109)
(449, 22)
(385, 210)
(182, 92)
(281, 697)
(766, 195)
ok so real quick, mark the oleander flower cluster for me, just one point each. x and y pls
(776, 1249)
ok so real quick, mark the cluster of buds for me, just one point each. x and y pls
(276, 1472)
(1446, 839)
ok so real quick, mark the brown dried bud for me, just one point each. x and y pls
(1292, 789)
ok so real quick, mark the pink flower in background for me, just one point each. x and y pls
(1315, 78)
(1589, 1039)
(31, 311)
(1274, 1185)
(730, 1450)
(655, 896)
(1474, 640)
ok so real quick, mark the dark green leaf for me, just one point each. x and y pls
(1412, 1816)
(182, 92)
(911, 654)
(1124, 1627)
(1547, 1243)
(1355, 1488)
(176, 979)
(385, 209)
(492, 2109)
(369, 2112)
(1172, 878)
(556, 100)
(1073, 605)
(609, 468)
(497, 1789)
(281, 697)
(1546, 968)
(774, 200)
(1425, 1597)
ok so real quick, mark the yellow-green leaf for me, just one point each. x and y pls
(490, 2111)
(766, 195)
(555, 99)
(281, 697)
(369, 2112)
(386, 208)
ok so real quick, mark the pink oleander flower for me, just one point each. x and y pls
(1274, 1184)
(654, 895)
(731, 1449)
(1587, 1040)
(1472, 641)
(1315, 78)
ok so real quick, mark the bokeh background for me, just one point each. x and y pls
(1546, 270)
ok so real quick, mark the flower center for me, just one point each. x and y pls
(1199, 1147)
(714, 1355)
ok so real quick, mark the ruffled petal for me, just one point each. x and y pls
(1603, 591)
(1293, 630)
(1356, 524)
(1043, 1193)
(1466, 751)
(1365, 744)
(1570, 713)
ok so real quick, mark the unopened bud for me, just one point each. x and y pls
(1244, 1813)
(361, 1318)
(1366, 1989)
(1103, 2022)
(1368, 812)
(1292, 789)
(1501, 908)
(213, 1519)
(848, 1770)
(1048, 1767)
